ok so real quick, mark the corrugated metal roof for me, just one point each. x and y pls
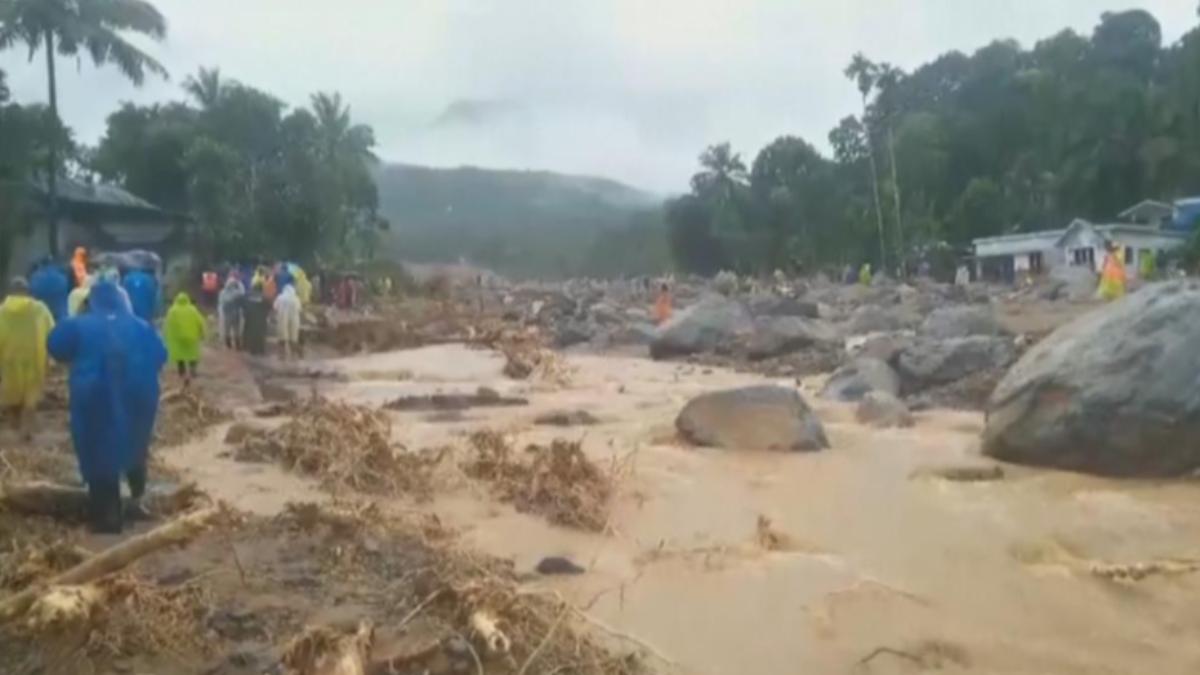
(71, 190)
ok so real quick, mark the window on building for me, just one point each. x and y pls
(1084, 257)
(1035, 262)
(1128, 255)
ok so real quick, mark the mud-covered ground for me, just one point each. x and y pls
(895, 551)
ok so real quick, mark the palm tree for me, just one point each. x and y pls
(723, 171)
(94, 26)
(339, 137)
(205, 86)
(888, 77)
(3, 88)
(864, 74)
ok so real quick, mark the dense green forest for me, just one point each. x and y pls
(1003, 140)
(522, 223)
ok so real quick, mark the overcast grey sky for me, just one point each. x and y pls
(631, 89)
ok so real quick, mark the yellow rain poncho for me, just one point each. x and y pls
(184, 330)
(1112, 276)
(24, 325)
(304, 287)
(79, 295)
(864, 274)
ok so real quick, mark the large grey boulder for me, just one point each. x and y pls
(880, 319)
(862, 375)
(770, 304)
(1115, 392)
(774, 336)
(883, 410)
(960, 321)
(929, 362)
(1072, 283)
(752, 418)
(713, 324)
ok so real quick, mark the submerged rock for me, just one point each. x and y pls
(752, 418)
(883, 410)
(1113, 392)
(859, 377)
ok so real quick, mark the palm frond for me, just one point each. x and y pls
(132, 15)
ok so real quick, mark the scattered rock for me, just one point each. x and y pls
(780, 305)
(240, 431)
(566, 418)
(879, 319)
(1071, 283)
(484, 398)
(961, 321)
(882, 346)
(927, 362)
(855, 379)
(558, 565)
(752, 418)
(711, 325)
(1113, 392)
(883, 410)
(774, 336)
(969, 473)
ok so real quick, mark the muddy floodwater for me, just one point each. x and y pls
(877, 564)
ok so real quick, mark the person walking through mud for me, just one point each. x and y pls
(287, 320)
(114, 359)
(184, 330)
(24, 325)
(662, 306)
(229, 312)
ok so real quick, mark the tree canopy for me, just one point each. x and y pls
(1002, 140)
(257, 176)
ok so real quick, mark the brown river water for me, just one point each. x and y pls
(878, 570)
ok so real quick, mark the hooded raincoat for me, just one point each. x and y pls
(184, 330)
(142, 289)
(287, 315)
(115, 359)
(49, 285)
(25, 324)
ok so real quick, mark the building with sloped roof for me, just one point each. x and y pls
(100, 218)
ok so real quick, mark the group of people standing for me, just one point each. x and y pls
(247, 298)
(114, 356)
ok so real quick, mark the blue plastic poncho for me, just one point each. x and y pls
(49, 284)
(115, 359)
(143, 294)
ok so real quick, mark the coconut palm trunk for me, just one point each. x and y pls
(52, 147)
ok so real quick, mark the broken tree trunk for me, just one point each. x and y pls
(177, 532)
(67, 502)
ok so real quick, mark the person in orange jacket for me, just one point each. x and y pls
(79, 265)
(662, 306)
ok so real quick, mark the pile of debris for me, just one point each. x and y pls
(557, 481)
(184, 415)
(443, 609)
(347, 447)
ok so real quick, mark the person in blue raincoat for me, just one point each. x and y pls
(49, 284)
(114, 359)
(142, 289)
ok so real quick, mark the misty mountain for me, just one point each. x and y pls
(521, 223)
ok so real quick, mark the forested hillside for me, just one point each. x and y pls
(1005, 139)
(523, 223)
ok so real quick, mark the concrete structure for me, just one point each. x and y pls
(100, 218)
(1082, 243)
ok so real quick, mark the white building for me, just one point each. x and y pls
(1082, 243)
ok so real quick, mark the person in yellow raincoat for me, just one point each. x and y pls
(24, 325)
(183, 330)
(864, 274)
(1112, 274)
